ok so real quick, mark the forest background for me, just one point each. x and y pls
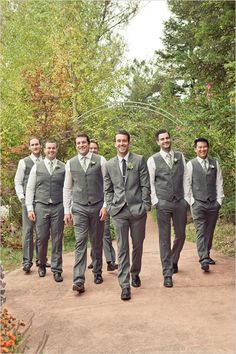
(63, 71)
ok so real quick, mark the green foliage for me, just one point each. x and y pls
(191, 82)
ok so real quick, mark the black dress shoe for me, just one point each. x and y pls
(98, 279)
(57, 277)
(205, 266)
(136, 282)
(42, 271)
(78, 287)
(175, 268)
(211, 261)
(125, 294)
(90, 266)
(111, 267)
(26, 268)
(168, 283)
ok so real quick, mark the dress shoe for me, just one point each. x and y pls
(136, 282)
(26, 268)
(98, 279)
(90, 266)
(168, 283)
(125, 294)
(175, 268)
(211, 261)
(57, 277)
(78, 287)
(205, 266)
(111, 267)
(42, 271)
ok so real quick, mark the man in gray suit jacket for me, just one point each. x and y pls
(83, 197)
(170, 188)
(206, 198)
(127, 194)
(45, 187)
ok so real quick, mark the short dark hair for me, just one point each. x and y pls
(83, 135)
(124, 132)
(95, 142)
(35, 137)
(161, 131)
(50, 141)
(200, 140)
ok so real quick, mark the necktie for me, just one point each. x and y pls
(84, 165)
(50, 167)
(169, 160)
(124, 168)
(204, 165)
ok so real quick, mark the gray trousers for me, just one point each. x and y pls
(50, 222)
(86, 222)
(28, 238)
(205, 215)
(124, 222)
(108, 249)
(177, 212)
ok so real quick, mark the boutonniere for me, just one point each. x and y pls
(212, 166)
(57, 167)
(175, 160)
(92, 163)
(130, 166)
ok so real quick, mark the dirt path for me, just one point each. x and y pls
(197, 315)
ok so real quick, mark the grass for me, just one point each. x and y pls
(12, 258)
(223, 241)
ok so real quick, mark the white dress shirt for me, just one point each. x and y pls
(20, 174)
(219, 180)
(152, 168)
(68, 183)
(31, 185)
(120, 159)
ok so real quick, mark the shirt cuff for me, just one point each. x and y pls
(67, 211)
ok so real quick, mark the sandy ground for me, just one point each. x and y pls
(197, 315)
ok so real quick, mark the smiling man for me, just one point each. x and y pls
(127, 194)
(21, 178)
(83, 197)
(206, 198)
(45, 187)
(169, 193)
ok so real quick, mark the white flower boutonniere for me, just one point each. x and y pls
(175, 160)
(130, 166)
(92, 163)
(212, 166)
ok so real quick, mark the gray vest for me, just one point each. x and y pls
(87, 186)
(28, 165)
(49, 187)
(169, 182)
(204, 184)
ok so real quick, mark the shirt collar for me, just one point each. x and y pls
(201, 160)
(120, 158)
(164, 153)
(35, 158)
(47, 161)
(88, 156)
